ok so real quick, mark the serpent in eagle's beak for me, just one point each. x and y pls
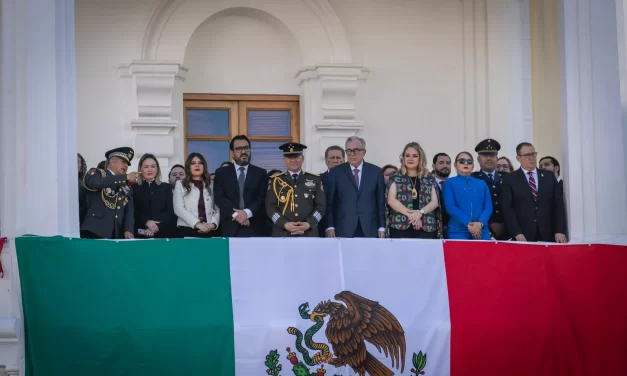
(313, 316)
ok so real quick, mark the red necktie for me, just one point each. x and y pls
(356, 174)
(532, 185)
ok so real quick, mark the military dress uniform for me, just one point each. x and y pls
(110, 210)
(494, 184)
(295, 200)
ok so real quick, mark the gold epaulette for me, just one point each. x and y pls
(102, 172)
(276, 174)
(284, 193)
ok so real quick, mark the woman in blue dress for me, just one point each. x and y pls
(467, 200)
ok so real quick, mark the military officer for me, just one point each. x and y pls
(488, 151)
(110, 209)
(295, 202)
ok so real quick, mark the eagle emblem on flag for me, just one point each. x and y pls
(350, 322)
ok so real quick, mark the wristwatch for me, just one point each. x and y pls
(422, 211)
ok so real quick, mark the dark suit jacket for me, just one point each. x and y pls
(524, 216)
(154, 202)
(322, 226)
(226, 194)
(82, 203)
(347, 205)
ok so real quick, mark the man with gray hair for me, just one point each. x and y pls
(356, 196)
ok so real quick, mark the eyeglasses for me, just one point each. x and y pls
(242, 149)
(528, 156)
(354, 151)
(465, 161)
(502, 166)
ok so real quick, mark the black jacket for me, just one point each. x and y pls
(154, 202)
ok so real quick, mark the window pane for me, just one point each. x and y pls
(269, 123)
(267, 155)
(215, 152)
(208, 122)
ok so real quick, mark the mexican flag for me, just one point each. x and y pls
(321, 307)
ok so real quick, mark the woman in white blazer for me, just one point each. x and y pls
(198, 216)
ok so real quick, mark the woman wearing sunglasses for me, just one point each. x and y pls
(467, 200)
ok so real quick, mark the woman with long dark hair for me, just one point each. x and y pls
(412, 198)
(154, 213)
(82, 192)
(198, 216)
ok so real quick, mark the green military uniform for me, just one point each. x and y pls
(295, 198)
(110, 210)
(302, 200)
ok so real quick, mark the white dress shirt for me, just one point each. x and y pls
(245, 172)
(493, 174)
(534, 172)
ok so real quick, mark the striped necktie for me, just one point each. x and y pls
(533, 186)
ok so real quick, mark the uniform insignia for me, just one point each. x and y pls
(306, 195)
(108, 191)
(282, 199)
(93, 173)
(309, 183)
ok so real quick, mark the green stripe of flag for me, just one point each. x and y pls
(96, 308)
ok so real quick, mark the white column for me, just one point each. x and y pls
(151, 89)
(328, 111)
(592, 125)
(38, 188)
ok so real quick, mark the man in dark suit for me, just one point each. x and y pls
(552, 165)
(110, 211)
(240, 193)
(488, 151)
(532, 202)
(441, 171)
(356, 196)
(333, 156)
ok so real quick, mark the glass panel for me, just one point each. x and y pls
(266, 154)
(269, 123)
(208, 123)
(215, 152)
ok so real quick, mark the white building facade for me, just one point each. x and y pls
(89, 75)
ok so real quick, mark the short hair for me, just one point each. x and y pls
(520, 146)
(389, 166)
(151, 156)
(554, 162)
(272, 172)
(238, 137)
(355, 138)
(102, 165)
(334, 147)
(435, 158)
(175, 166)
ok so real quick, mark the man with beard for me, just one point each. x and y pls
(488, 151)
(441, 171)
(240, 193)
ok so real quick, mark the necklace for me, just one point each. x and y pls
(414, 192)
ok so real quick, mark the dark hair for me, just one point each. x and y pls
(272, 172)
(83, 169)
(435, 158)
(511, 166)
(188, 173)
(173, 167)
(554, 162)
(238, 137)
(520, 146)
(334, 147)
(102, 165)
(151, 156)
(224, 164)
(388, 166)
(463, 152)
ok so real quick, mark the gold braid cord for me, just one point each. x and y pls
(284, 193)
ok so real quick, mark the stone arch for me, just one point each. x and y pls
(313, 23)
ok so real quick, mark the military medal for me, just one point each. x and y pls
(306, 195)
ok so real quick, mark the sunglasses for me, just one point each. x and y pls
(465, 161)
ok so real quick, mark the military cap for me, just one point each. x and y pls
(124, 153)
(292, 149)
(488, 146)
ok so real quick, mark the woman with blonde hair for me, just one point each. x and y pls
(412, 198)
(198, 216)
(154, 213)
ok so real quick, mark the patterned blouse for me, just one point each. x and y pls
(431, 222)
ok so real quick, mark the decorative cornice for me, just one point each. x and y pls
(153, 68)
(345, 72)
(10, 330)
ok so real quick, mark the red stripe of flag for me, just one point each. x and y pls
(520, 309)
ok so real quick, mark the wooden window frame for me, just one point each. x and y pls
(238, 106)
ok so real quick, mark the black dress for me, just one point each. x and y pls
(153, 202)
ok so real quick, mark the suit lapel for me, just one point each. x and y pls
(349, 171)
(542, 184)
(249, 179)
(525, 183)
(233, 176)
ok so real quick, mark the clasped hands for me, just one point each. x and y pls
(241, 217)
(475, 229)
(152, 228)
(204, 227)
(297, 228)
(415, 219)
